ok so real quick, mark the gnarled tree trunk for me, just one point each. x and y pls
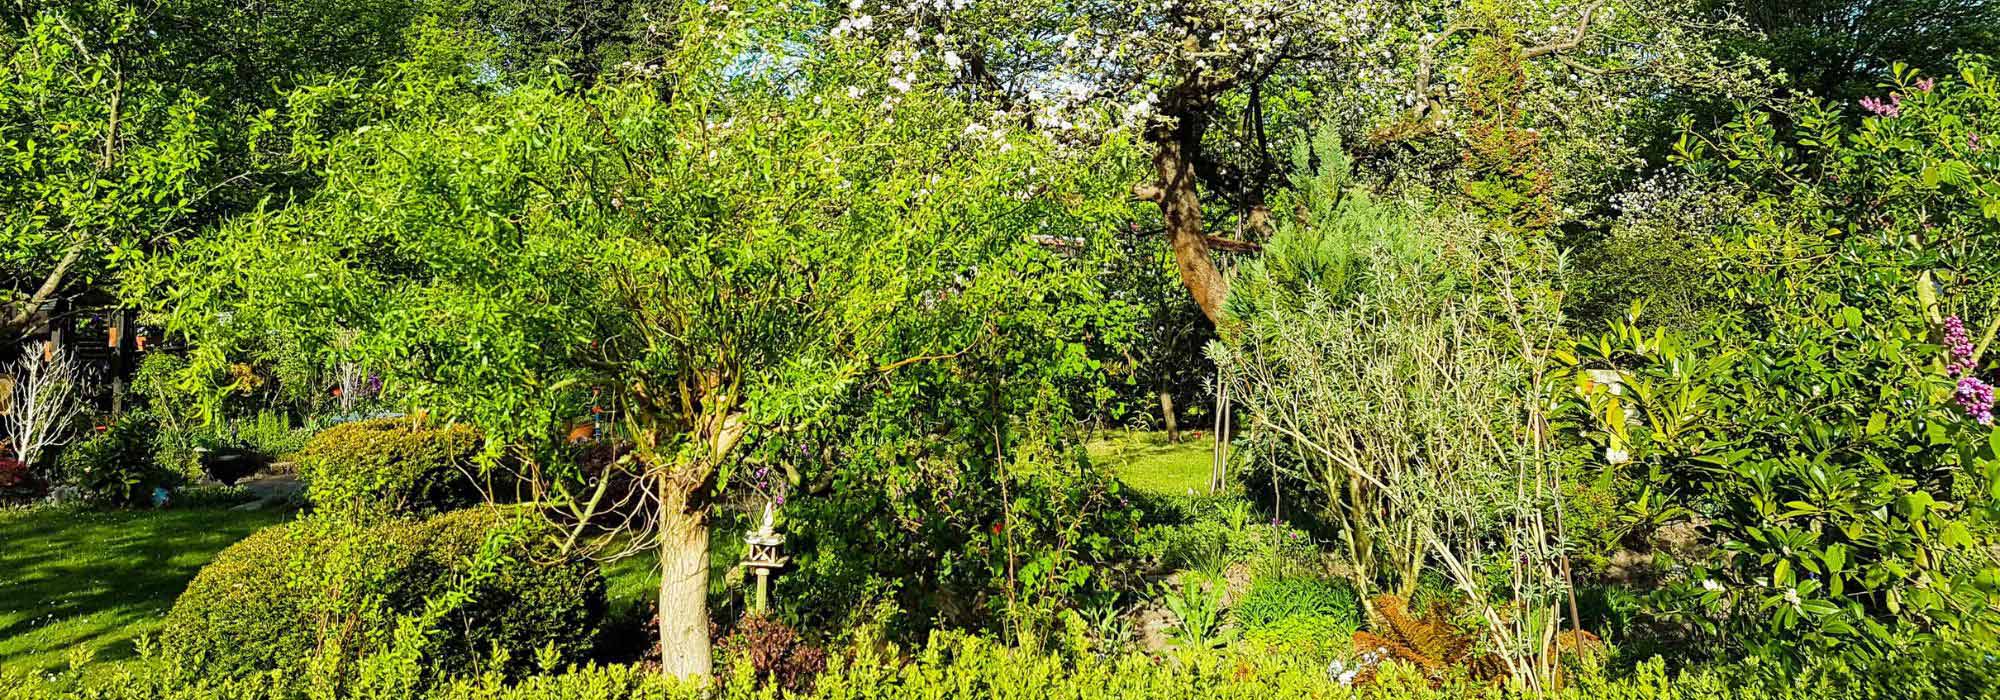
(684, 643)
(712, 412)
(1180, 207)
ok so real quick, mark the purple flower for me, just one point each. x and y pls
(1891, 108)
(1959, 344)
(1926, 84)
(1976, 397)
(1972, 394)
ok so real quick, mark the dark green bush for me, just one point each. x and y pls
(117, 464)
(397, 465)
(533, 601)
(312, 590)
(1274, 599)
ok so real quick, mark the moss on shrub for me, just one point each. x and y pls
(303, 592)
(397, 465)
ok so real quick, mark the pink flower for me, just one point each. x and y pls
(1891, 108)
(1926, 84)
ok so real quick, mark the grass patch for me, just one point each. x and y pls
(94, 581)
(1148, 463)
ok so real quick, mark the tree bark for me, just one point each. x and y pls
(684, 643)
(1174, 190)
(22, 316)
(1167, 417)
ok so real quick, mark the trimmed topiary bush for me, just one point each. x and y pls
(534, 599)
(241, 612)
(315, 596)
(398, 465)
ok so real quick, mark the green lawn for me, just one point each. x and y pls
(1146, 462)
(97, 580)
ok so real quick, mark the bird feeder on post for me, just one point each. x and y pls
(763, 557)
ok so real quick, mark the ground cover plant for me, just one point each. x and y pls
(465, 349)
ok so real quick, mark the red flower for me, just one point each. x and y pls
(997, 527)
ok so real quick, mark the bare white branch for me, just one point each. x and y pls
(43, 406)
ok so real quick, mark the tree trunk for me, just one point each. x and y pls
(1180, 207)
(19, 322)
(1218, 458)
(1167, 417)
(684, 642)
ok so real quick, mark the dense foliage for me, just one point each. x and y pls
(960, 667)
(314, 598)
(391, 466)
(1828, 433)
(1576, 348)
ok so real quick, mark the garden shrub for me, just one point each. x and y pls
(316, 591)
(395, 465)
(534, 602)
(1204, 546)
(272, 434)
(116, 465)
(927, 520)
(1207, 533)
(14, 474)
(181, 432)
(774, 653)
(960, 666)
(210, 496)
(1316, 637)
(1277, 598)
(1826, 445)
(242, 611)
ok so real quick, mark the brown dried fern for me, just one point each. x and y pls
(1430, 642)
